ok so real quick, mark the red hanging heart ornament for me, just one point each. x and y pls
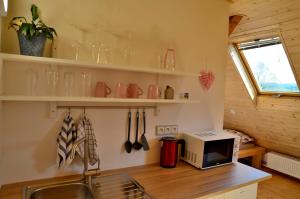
(206, 79)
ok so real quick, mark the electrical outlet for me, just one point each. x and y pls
(174, 129)
(160, 130)
(168, 130)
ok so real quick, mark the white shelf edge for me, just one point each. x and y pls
(95, 99)
(69, 62)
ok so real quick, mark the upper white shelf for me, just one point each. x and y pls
(69, 62)
(96, 100)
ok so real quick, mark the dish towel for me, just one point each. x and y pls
(85, 129)
(65, 141)
(80, 134)
(92, 143)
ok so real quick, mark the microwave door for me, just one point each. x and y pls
(217, 152)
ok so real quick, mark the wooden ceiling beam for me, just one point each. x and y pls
(234, 21)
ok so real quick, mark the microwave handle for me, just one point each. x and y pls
(182, 142)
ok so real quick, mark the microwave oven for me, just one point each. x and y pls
(210, 148)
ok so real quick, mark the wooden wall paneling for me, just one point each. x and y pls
(262, 13)
(274, 122)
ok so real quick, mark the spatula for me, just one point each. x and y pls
(128, 144)
(136, 144)
(143, 137)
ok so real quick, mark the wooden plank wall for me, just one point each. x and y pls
(274, 122)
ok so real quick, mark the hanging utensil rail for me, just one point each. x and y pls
(106, 107)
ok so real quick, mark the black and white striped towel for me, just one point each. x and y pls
(65, 141)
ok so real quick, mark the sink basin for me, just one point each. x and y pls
(119, 186)
(75, 190)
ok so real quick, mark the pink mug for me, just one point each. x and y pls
(121, 90)
(134, 91)
(102, 90)
(154, 92)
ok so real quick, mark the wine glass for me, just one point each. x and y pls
(52, 79)
(32, 77)
(68, 83)
(76, 50)
(86, 83)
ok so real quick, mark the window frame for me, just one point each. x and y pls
(251, 89)
(247, 68)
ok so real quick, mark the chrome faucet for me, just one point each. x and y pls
(87, 174)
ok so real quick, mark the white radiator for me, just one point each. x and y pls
(283, 163)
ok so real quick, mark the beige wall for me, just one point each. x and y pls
(198, 30)
(1, 119)
(275, 121)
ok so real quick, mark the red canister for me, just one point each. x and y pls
(169, 151)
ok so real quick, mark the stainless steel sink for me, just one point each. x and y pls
(66, 190)
(119, 186)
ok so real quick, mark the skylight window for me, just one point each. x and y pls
(268, 66)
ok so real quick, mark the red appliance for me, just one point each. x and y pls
(169, 151)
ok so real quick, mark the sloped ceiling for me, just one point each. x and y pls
(274, 122)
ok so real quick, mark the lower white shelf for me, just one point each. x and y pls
(96, 100)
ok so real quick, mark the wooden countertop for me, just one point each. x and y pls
(184, 181)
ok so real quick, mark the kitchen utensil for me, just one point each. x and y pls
(128, 144)
(143, 137)
(102, 90)
(121, 90)
(154, 92)
(169, 92)
(136, 144)
(134, 91)
(169, 151)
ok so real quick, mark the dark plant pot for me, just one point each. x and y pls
(33, 47)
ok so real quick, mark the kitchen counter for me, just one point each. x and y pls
(184, 181)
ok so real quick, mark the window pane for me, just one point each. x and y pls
(271, 69)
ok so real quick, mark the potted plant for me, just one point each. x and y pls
(32, 35)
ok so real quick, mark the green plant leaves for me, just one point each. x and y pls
(33, 29)
(34, 12)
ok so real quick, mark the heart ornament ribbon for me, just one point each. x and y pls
(206, 79)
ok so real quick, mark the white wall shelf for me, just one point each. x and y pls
(86, 64)
(96, 100)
